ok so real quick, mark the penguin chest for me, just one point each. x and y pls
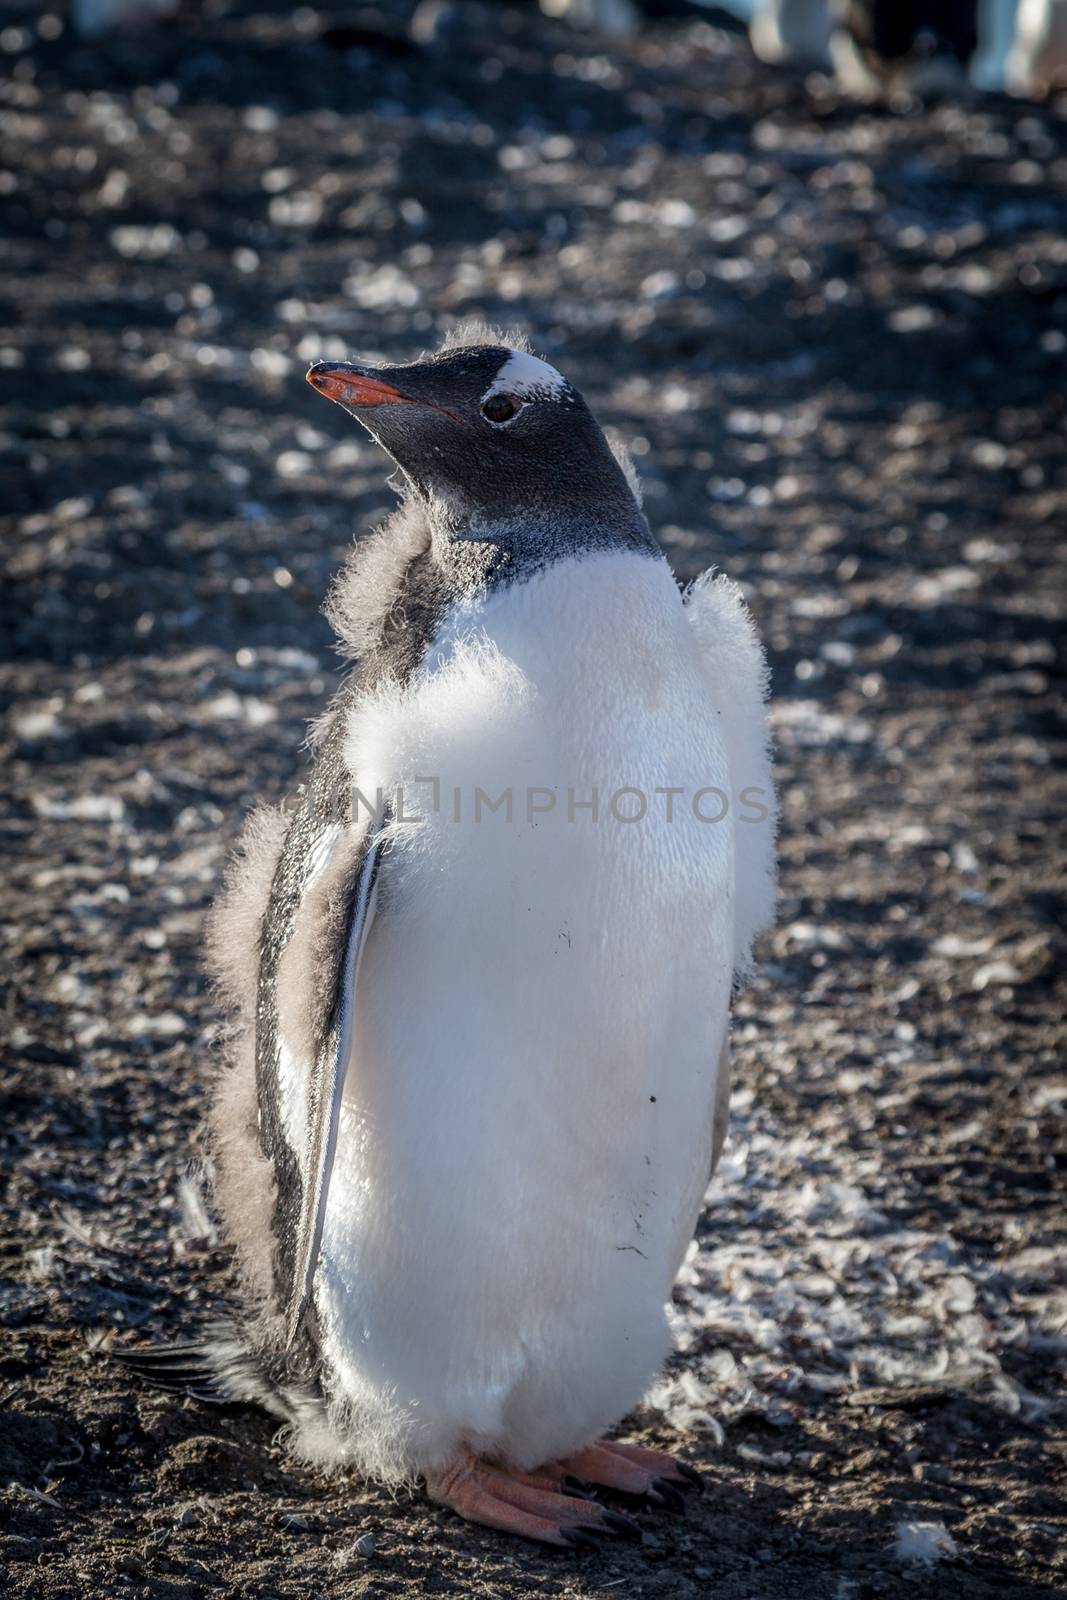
(544, 993)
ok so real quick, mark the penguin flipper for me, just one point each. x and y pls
(326, 1088)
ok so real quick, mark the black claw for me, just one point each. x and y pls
(580, 1538)
(623, 1525)
(691, 1475)
(666, 1494)
(576, 1489)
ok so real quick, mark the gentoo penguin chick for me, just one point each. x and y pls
(1037, 60)
(482, 973)
(791, 31)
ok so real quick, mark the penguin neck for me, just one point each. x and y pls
(478, 551)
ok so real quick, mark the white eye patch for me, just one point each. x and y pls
(527, 377)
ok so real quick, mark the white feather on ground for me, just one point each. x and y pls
(922, 1543)
(800, 1283)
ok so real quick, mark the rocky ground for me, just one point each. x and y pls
(836, 340)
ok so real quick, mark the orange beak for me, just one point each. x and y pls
(350, 387)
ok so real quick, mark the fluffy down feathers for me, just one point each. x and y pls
(242, 1179)
(738, 680)
(365, 589)
(474, 332)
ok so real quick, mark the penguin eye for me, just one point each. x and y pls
(501, 407)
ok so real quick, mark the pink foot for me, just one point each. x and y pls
(526, 1503)
(633, 1469)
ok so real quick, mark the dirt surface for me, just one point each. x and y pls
(837, 341)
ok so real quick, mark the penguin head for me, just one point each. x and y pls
(493, 440)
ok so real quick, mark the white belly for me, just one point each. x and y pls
(527, 1121)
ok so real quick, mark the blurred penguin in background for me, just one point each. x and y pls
(796, 31)
(887, 47)
(877, 47)
(1037, 60)
(616, 18)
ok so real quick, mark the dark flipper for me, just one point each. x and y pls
(327, 1086)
